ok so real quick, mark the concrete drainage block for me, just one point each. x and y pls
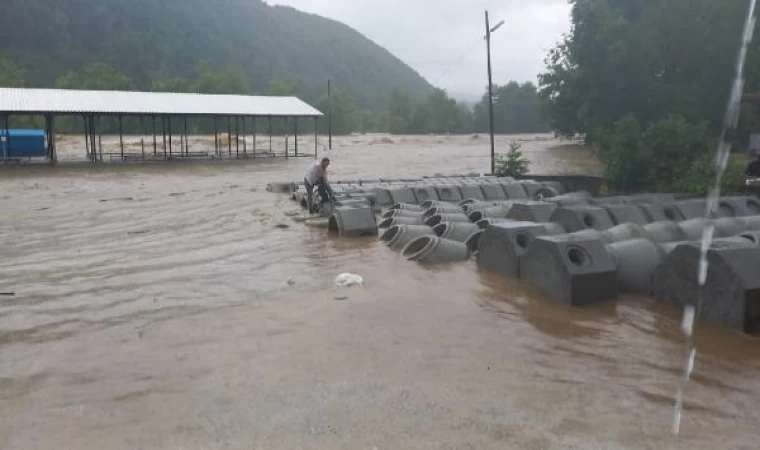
(449, 193)
(731, 296)
(636, 261)
(577, 218)
(472, 191)
(738, 206)
(352, 222)
(532, 211)
(425, 193)
(435, 250)
(401, 220)
(403, 195)
(493, 191)
(624, 213)
(502, 245)
(571, 270)
(440, 218)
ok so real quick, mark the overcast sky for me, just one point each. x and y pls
(443, 39)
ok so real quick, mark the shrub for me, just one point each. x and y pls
(513, 163)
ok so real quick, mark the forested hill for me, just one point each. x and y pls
(150, 39)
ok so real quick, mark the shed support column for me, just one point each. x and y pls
(100, 138)
(169, 126)
(142, 137)
(155, 144)
(285, 127)
(270, 134)
(316, 136)
(51, 139)
(216, 137)
(163, 131)
(187, 144)
(295, 134)
(229, 136)
(121, 137)
(254, 137)
(245, 140)
(86, 136)
(237, 137)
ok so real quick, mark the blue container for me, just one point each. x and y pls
(22, 144)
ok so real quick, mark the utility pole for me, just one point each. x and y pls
(490, 30)
(329, 114)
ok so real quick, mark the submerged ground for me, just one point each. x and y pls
(165, 306)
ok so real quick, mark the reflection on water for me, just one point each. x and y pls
(179, 306)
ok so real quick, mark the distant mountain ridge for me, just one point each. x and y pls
(145, 38)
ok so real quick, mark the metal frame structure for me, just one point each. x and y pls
(91, 106)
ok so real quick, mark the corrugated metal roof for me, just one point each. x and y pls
(65, 101)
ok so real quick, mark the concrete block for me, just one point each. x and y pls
(532, 188)
(401, 213)
(624, 213)
(487, 222)
(501, 245)
(556, 185)
(570, 199)
(738, 207)
(472, 191)
(401, 220)
(532, 211)
(449, 193)
(352, 222)
(424, 193)
(497, 211)
(408, 207)
(605, 201)
(731, 295)
(577, 218)
(569, 269)
(655, 212)
(515, 190)
(724, 227)
(443, 209)
(493, 191)
(652, 198)
(404, 195)
(382, 195)
(686, 209)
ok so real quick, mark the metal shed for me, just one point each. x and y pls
(92, 105)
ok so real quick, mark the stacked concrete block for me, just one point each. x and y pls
(449, 193)
(502, 245)
(577, 218)
(353, 221)
(532, 211)
(403, 195)
(398, 236)
(626, 213)
(570, 269)
(424, 193)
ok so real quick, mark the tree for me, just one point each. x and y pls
(283, 87)
(516, 110)
(342, 107)
(513, 163)
(167, 83)
(647, 59)
(230, 80)
(98, 76)
(11, 75)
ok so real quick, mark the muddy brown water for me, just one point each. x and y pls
(164, 306)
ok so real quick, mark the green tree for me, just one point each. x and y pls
(167, 83)
(11, 75)
(516, 110)
(283, 87)
(101, 77)
(399, 113)
(342, 109)
(230, 80)
(513, 163)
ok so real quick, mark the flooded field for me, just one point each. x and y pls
(176, 305)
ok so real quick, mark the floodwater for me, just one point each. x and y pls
(177, 306)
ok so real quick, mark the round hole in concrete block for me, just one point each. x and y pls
(522, 240)
(750, 237)
(669, 213)
(390, 233)
(577, 256)
(588, 220)
(726, 210)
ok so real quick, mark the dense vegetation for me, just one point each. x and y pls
(646, 82)
(238, 47)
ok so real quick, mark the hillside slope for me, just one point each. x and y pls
(144, 38)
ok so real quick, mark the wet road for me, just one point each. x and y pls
(164, 306)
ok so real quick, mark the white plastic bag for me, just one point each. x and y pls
(348, 279)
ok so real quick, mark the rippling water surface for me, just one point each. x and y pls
(179, 306)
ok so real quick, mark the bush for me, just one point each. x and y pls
(513, 163)
(670, 155)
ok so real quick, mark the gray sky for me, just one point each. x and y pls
(443, 39)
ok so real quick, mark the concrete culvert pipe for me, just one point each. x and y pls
(545, 192)
(752, 236)
(472, 242)
(626, 232)
(456, 231)
(393, 221)
(467, 201)
(398, 236)
(488, 221)
(432, 249)
(407, 206)
(427, 204)
(440, 218)
(352, 222)
(636, 262)
(665, 231)
(401, 213)
(449, 193)
(752, 222)
(444, 209)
